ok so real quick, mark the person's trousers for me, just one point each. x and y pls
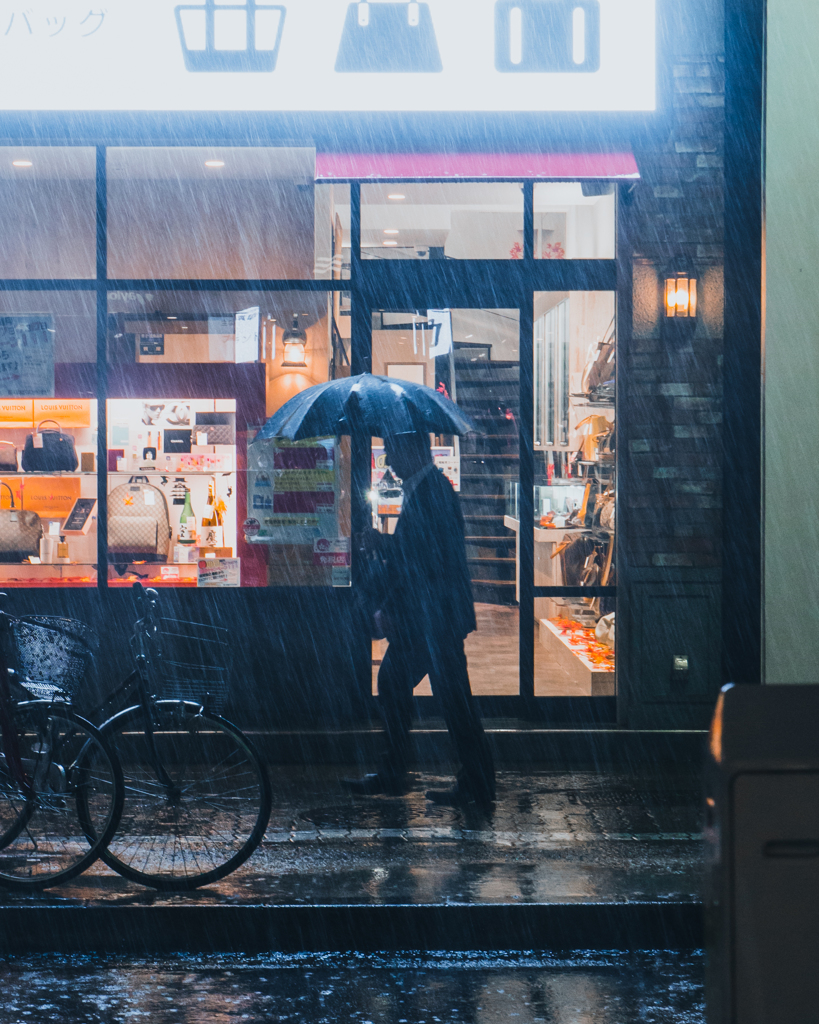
(402, 669)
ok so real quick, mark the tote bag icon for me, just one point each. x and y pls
(386, 37)
(230, 37)
(547, 35)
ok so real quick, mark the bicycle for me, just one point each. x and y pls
(197, 797)
(61, 786)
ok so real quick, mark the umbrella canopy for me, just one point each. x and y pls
(373, 405)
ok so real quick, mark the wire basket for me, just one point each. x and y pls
(53, 655)
(194, 663)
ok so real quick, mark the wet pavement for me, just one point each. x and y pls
(577, 837)
(661, 987)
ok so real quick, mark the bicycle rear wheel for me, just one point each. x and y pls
(212, 815)
(75, 805)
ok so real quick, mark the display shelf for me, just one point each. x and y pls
(57, 472)
(170, 472)
(568, 645)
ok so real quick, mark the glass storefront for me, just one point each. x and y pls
(172, 298)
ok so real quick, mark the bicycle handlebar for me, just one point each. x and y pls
(146, 600)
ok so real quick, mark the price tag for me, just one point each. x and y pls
(148, 497)
(37, 440)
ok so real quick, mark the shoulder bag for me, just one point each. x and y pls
(20, 532)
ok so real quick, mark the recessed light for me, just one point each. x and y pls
(390, 231)
(21, 163)
(173, 318)
(389, 243)
(396, 195)
(214, 163)
(184, 328)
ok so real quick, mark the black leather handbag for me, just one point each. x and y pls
(49, 451)
(388, 37)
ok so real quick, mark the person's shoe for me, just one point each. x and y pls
(459, 796)
(371, 785)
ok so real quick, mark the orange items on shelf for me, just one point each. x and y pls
(581, 640)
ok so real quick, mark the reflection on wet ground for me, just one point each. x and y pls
(553, 837)
(580, 988)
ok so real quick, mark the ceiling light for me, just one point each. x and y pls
(173, 318)
(21, 163)
(294, 339)
(390, 231)
(214, 163)
(389, 243)
(396, 195)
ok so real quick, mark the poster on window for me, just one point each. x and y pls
(27, 355)
(293, 489)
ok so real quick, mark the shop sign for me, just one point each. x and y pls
(27, 355)
(68, 412)
(328, 55)
(16, 412)
(328, 552)
(247, 335)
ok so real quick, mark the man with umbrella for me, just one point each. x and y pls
(425, 612)
(424, 605)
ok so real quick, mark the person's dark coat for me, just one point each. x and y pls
(428, 590)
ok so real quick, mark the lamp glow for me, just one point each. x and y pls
(294, 339)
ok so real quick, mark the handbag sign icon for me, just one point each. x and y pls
(229, 36)
(547, 35)
(387, 37)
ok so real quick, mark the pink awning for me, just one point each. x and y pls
(409, 166)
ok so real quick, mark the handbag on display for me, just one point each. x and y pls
(219, 427)
(8, 457)
(384, 37)
(49, 451)
(20, 532)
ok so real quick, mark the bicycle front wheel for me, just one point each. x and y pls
(197, 808)
(56, 831)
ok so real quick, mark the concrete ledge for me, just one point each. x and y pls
(255, 929)
(512, 745)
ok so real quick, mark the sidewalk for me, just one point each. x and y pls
(585, 845)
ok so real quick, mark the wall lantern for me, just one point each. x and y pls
(679, 301)
(681, 294)
(294, 339)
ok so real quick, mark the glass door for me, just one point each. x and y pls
(472, 357)
(573, 439)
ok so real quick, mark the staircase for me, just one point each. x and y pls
(488, 391)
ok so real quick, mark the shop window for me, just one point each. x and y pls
(48, 439)
(473, 356)
(455, 221)
(221, 212)
(575, 487)
(574, 220)
(193, 377)
(47, 212)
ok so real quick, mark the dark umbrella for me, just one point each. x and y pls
(372, 405)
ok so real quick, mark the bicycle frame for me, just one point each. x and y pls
(11, 740)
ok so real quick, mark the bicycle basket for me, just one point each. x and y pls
(53, 654)
(194, 663)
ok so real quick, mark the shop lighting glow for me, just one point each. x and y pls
(294, 339)
(681, 295)
(21, 163)
(390, 231)
(389, 243)
(214, 163)
(396, 195)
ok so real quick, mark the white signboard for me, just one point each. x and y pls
(27, 355)
(441, 321)
(247, 335)
(329, 55)
(220, 339)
